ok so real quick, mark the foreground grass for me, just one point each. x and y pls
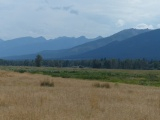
(23, 98)
(139, 77)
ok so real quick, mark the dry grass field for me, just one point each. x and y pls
(22, 98)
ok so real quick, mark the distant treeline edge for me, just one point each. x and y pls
(95, 63)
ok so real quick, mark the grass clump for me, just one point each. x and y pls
(20, 71)
(101, 85)
(47, 83)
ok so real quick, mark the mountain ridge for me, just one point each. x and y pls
(86, 47)
(144, 45)
(30, 45)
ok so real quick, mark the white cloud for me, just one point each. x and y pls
(53, 18)
(144, 26)
(120, 23)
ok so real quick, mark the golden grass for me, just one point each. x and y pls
(22, 98)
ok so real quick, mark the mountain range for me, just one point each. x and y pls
(126, 44)
(145, 45)
(30, 45)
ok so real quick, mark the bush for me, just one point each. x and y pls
(47, 83)
(103, 85)
(20, 71)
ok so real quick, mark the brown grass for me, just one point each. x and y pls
(22, 98)
(102, 85)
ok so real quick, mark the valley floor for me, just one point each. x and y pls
(22, 98)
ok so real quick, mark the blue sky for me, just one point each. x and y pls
(73, 18)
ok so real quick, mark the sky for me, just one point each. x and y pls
(74, 18)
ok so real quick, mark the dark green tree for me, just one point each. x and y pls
(38, 60)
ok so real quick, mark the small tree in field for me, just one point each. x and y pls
(38, 60)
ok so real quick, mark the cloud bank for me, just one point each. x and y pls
(54, 18)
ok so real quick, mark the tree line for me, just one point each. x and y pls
(104, 63)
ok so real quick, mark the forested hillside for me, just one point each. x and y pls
(141, 64)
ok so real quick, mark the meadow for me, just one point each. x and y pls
(23, 97)
(139, 77)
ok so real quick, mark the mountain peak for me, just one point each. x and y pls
(97, 38)
(82, 37)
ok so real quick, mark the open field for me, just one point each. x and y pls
(138, 77)
(22, 98)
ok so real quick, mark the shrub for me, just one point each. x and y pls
(20, 71)
(103, 85)
(47, 83)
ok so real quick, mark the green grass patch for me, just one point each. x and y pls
(139, 77)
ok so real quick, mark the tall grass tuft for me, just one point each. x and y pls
(47, 83)
(102, 85)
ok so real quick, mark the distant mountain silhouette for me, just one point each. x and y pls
(81, 51)
(145, 45)
(30, 45)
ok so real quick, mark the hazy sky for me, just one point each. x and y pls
(73, 18)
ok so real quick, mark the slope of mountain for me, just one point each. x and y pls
(57, 54)
(122, 35)
(67, 42)
(145, 45)
(29, 45)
